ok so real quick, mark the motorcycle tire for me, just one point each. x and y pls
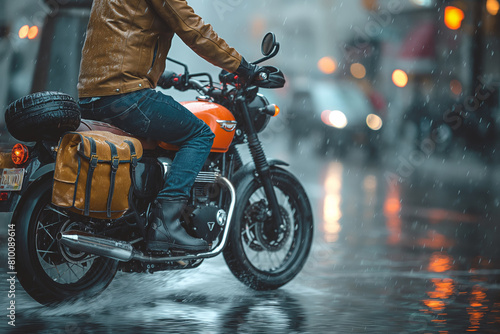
(48, 271)
(42, 116)
(259, 261)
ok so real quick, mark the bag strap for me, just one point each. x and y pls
(133, 154)
(92, 165)
(115, 162)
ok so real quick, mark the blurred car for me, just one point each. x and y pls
(339, 113)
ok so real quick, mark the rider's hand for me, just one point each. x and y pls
(168, 79)
(247, 71)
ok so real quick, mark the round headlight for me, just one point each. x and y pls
(260, 120)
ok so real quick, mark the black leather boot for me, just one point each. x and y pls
(166, 231)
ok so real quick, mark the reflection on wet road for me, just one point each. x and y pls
(416, 256)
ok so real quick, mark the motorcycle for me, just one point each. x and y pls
(256, 214)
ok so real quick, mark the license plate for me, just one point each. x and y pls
(12, 179)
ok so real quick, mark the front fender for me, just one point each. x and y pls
(246, 173)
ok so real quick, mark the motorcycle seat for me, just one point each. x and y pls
(91, 125)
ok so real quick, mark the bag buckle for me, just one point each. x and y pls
(93, 160)
(115, 162)
(134, 159)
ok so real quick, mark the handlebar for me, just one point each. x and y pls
(170, 79)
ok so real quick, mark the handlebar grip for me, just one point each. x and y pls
(168, 79)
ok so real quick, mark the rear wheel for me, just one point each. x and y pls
(264, 259)
(49, 271)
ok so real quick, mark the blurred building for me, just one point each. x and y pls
(450, 52)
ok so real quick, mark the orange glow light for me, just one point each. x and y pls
(327, 65)
(453, 17)
(33, 32)
(276, 110)
(456, 87)
(440, 262)
(392, 206)
(492, 6)
(23, 32)
(358, 70)
(435, 305)
(400, 78)
(19, 154)
(444, 288)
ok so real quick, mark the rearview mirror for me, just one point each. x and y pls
(268, 44)
(269, 48)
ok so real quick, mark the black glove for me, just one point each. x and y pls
(247, 71)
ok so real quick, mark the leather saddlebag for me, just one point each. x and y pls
(93, 173)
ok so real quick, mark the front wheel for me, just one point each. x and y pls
(49, 271)
(259, 257)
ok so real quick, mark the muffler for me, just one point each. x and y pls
(94, 244)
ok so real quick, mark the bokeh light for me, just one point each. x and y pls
(358, 70)
(374, 122)
(23, 32)
(400, 78)
(456, 87)
(327, 65)
(492, 6)
(453, 17)
(33, 32)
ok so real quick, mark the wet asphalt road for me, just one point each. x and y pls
(398, 249)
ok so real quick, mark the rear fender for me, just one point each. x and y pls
(34, 178)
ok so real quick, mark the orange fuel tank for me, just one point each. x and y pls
(218, 118)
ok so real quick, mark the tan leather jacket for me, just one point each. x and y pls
(128, 40)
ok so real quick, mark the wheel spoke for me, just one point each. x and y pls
(58, 273)
(70, 266)
(257, 254)
(50, 207)
(50, 221)
(47, 252)
(44, 229)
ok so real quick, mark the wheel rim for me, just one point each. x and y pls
(264, 254)
(61, 264)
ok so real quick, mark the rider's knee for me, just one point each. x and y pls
(206, 133)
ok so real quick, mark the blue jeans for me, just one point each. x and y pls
(150, 114)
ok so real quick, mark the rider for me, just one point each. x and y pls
(122, 59)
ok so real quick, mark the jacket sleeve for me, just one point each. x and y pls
(200, 37)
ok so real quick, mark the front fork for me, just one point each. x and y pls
(261, 165)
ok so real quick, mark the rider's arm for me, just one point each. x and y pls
(200, 37)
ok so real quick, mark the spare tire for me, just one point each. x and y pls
(42, 116)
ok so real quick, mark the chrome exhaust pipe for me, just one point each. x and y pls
(97, 245)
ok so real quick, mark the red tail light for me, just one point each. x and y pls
(20, 154)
